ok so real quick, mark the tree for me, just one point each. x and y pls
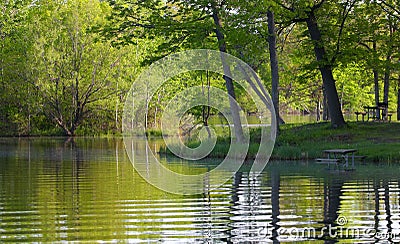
(326, 72)
(227, 73)
(375, 26)
(72, 72)
(15, 96)
(306, 12)
(392, 21)
(181, 23)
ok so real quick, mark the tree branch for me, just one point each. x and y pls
(345, 14)
(317, 6)
(397, 11)
(285, 7)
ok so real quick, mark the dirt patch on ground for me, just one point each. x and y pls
(384, 140)
(341, 137)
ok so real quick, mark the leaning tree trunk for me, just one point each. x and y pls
(274, 65)
(325, 68)
(227, 77)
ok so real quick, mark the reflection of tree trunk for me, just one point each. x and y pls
(116, 110)
(376, 195)
(325, 68)
(227, 77)
(208, 204)
(332, 194)
(387, 209)
(29, 164)
(236, 183)
(237, 179)
(275, 188)
(77, 158)
(70, 141)
(117, 158)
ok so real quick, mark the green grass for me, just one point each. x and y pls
(153, 133)
(380, 142)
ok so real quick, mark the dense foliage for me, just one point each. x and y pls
(66, 66)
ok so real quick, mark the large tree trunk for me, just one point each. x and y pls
(388, 69)
(325, 112)
(386, 79)
(376, 88)
(227, 77)
(376, 84)
(398, 99)
(386, 84)
(274, 65)
(325, 68)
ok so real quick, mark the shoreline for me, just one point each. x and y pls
(379, 142)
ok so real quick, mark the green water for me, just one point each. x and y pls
(54, 190)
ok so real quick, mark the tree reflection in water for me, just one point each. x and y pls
(86, 189)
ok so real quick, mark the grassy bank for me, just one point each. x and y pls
(380, 142)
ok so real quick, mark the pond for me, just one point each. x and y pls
(87, 190)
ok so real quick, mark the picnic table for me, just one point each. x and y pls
(342, 154)
(335, 156)
(379, 112)
(371, 111)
